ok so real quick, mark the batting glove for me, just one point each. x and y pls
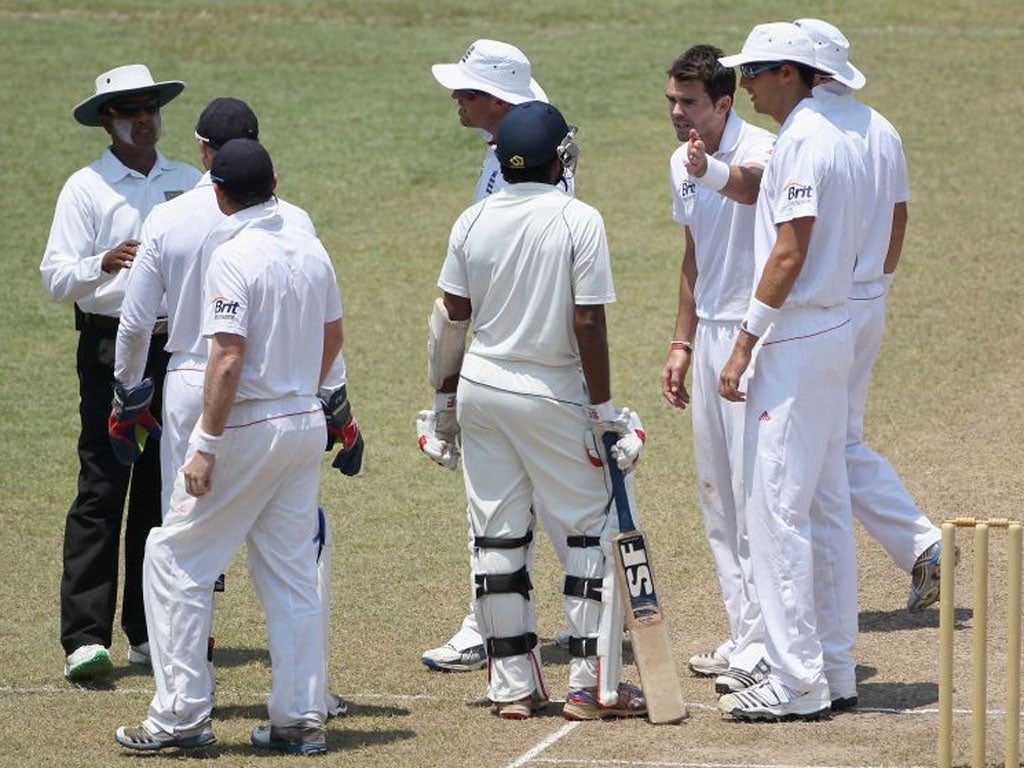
(625, 424)
(343, 430)
(130, 423)
(446, 426)
(441, 451)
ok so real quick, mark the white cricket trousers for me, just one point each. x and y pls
(718, 428)
(182, 404)
(881, 502)
(265, 483)
(798, 502)
(517, 448)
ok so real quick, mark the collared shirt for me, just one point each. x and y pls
(722, 229)
(815, 171)
(101, 206)
(525, 257)
(273, 284)
(170, 265)
(886, 167)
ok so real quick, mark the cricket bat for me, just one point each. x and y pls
(652, 650)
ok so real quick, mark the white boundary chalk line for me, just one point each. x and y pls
(681, 764)
(533, 752)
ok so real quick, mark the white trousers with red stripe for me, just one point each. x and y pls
(798, 503)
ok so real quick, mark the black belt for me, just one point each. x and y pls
(108, 323)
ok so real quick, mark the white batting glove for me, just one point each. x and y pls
(625, 424)
(440, 451)
(446, 426)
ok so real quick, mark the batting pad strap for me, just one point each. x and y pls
(517, 645)
(446, 344)
(583, 647)
(502, 542)
(582, 542)
(578, 586)
(504, 584)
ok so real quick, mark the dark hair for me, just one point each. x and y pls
(540, 173)
(807, 73)
(700, 63)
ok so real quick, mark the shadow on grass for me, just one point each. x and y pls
(552, 655)
(897, 695)
(259, 712)
(900, 620)
(338, 740)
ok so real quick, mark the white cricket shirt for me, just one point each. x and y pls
(101, 206)
(886, 167)
(816, 170)
(722, 229)
(524, 257)
(273, 284)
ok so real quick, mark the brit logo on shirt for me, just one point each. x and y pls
(798, 192)
(686, 189)
(224, 308)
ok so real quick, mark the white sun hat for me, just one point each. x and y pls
(776, 41)
(497, 68)
(833, 52)
(123, 81)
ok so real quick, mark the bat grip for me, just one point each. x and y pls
(622, 507)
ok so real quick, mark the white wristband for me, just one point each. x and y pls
(206, 442)
(444, 401)
(716, 176)
(601, 411)
(759, 317)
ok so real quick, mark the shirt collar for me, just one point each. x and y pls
(528, 188)
(806, 103)
(113, 170)
(262, 215)
(730, 134)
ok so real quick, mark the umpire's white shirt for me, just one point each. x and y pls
(170, 266)
(524, 257)
(886, 168)
(101, 206)
(722, 229)
(815, 171)
(273, 284)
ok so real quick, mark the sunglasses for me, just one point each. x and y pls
(469, 93)
(133, 108)
(756, 68)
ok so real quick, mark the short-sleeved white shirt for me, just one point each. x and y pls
(273, 284)
(816, 170)
(887, 173)
(525, 257)
(722, 229)
(170, 265)
(101, 206)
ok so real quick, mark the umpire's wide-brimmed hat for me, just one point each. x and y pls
(832, 50)
(124, 81)
(776, 41)
(497, 68)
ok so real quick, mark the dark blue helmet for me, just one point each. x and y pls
(532, 134)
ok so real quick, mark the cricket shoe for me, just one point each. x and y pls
(924, 577)
(582, 704)
(87, 662)
(772, 700)
(336, 706)
(295, 740)
(708, 664)
(521, 709)
(844, 696)
(142, 739)
(447, 658)
(139, 654)
(735, 679)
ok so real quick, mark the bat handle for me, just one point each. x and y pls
(618, 484)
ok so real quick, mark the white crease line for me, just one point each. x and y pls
(552, 738)
(665, 764)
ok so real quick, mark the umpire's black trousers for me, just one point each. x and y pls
(88, 588)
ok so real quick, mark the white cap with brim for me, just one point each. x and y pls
(777, 41)
(493, 67)
(124, 81)
(832, 50)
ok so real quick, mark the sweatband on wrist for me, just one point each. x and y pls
(444, 401)
(716, 176)
(887, 279)
(681, 344)
(601, 411)
(759, 317)
(206, 442)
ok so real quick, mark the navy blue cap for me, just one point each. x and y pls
(529, 135)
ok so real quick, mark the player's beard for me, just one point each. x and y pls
(123, 128)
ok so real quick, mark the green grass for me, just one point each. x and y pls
(365, 139)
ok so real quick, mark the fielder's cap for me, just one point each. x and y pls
(242, 167)
(777, 41)
(124, 81)
(224, 119)
(529, 135)
(497, 68)
(832, 50)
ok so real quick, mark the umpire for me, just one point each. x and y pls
(92, 243)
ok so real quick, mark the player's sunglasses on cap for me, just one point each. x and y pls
(133, 108)
(755, 68)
